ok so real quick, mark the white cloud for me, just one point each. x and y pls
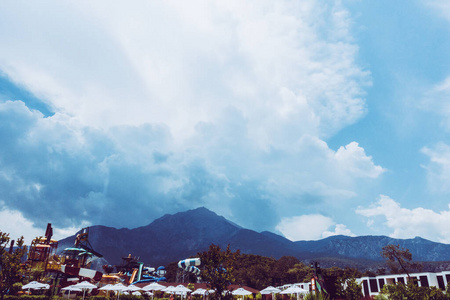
(354, 160)
(305, 227)
(339, 229)
(85, 174)
(437, 100)
(182, 64)
(438, 169)
(408, 223)
(441, 7)
(174, 105)
(14, 223)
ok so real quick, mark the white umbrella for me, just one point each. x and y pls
(168, 289)
(85, 286)
(35, 286)
(71, 288)
(107, 287)
(270, 290)
(241, 292)
(133, 288)
(202, 292)
(295, 290)
(154, 286)
(119, 288)
(181, 289)
(199, 291)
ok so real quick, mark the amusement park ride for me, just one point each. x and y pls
(75, 262)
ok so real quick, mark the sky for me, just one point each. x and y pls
(304, 118)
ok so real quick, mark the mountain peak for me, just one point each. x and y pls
(183, 234)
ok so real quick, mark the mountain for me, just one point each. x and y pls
(182, 235)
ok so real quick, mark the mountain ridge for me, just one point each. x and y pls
(184, 234)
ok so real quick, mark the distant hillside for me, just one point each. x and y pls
(175, 237)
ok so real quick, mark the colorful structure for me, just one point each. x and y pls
(73, 262)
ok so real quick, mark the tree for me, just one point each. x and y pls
(300, 273)
(11, 269)
(410, 291)
(394, 253)
(353, 290)
(218, 270)
(281, 268)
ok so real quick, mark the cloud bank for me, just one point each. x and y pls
(407, 223)
(161, 107)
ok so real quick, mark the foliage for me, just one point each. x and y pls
(436, 294)
(315, 296)
(395, 254)
(11, 270)
(348, 289)
(254, 270)
(218, 270)
(411, 291)
(37, 272)
(300, 273)
(27, 297)
(281, 274)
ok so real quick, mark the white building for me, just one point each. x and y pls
(372, 286)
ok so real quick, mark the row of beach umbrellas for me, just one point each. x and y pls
(294, 289)
(154, 286)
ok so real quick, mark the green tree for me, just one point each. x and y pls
(280, 270)
(218, 268)
(254, 270)
(11, 269)
(395, 254)
(394, 291)
(300, 273)
(353, 290)
(410, 291)
(436, 294)
(348, 288)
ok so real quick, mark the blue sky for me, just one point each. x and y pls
(304, 118)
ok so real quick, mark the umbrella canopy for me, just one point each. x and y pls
(270, 290)
(168, 289)
(181, 289)
(241, 292)
(107, 287)
(118, 287)
(133, 288)
(71, 288)
(154, 286)
(294, 290)
(85, 285)
(35, 286)
(199, 291)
